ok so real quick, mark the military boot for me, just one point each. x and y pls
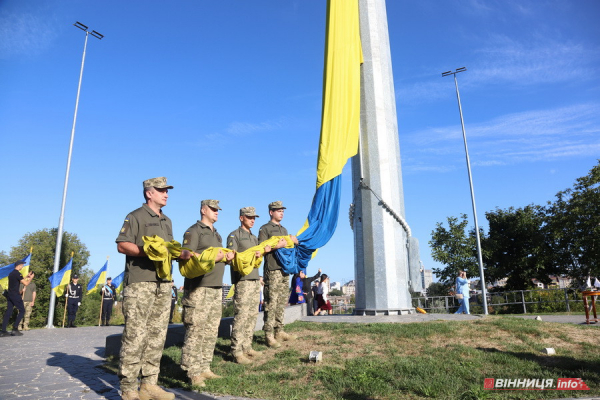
(130, 395)
(197, 380)
(281, 336)
(208, 374)
(252, 353)
(154, 392)
(240, 358)
(271, 342)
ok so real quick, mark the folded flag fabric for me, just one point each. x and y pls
(162, 253)
(246, 261)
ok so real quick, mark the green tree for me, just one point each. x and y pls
(515, 246)
(574, 227)
(4, 259)
(455, 248)
(43, 243)
(336, 292)
(437, 289)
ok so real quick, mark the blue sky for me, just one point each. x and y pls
(224, 98)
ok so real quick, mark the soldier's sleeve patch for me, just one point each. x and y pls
(231, 243)
(125, 227)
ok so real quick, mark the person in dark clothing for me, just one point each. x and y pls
(109, 294)
(74, 295)
(308, 292)
(315, 290)
(14, 300)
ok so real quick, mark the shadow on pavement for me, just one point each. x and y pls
(83, 369)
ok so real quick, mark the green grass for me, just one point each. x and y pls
(431, 360)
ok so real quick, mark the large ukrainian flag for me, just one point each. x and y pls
(4, 271)
(98, 279)
(60, 280)
(339, 130)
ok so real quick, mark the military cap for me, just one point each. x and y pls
(109, 279)
(211, 204)
(159, 183)
(75, 276)
(248, 212)
(276, 205)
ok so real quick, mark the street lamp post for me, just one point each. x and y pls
(59, 234)
(481, 274)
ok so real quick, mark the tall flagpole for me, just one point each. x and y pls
(477, 236)
(59, 233)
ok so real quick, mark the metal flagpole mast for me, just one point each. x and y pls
(59, 233)
(480, 260)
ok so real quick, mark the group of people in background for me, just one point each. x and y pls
(22, 292)
(148, 298)
(303, 291)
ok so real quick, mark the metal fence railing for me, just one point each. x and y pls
(509, 302)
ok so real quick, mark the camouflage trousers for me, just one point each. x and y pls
(201, 316)
(146, 307)
(245, 307)
(24, 325)
(277, 293)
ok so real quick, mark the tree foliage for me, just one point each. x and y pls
(574, 227)
(43, 243)
(455, 248)
(561, 238)
(437, 289)
(516, 247)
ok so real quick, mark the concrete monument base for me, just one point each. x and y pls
(403, 311)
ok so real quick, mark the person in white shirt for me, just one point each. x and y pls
(323, 296)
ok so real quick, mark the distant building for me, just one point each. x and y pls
(349, 288)
(500, 282)
(561, 282)
(335, 285)
(226, 289)
(426, 278)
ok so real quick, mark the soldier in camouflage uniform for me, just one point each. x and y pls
(146, 297)
(202, 297)
(246, 297)
(29, 293)
(276, 281)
